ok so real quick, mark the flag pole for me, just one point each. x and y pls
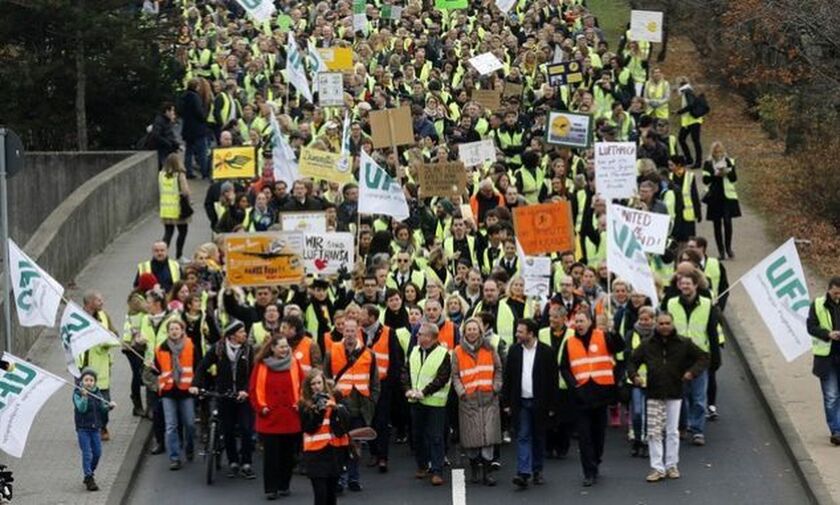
(727, 290)
(60, 379)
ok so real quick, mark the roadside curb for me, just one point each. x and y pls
(777, 414)
(130, 466)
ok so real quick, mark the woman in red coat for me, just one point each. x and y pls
(274, 393)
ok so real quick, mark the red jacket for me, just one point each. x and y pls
(277, 395)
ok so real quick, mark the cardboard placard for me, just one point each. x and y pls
(544, 228)
(234, 162)
(326, 253)
(646, 25)
(337, 58)
(513, 89)
(330, 89)
(615, 169)
(569, 129)
(391, 122)
(567, 72)
(323, 165)
(448, 180)
(264, 259)
(477, 153)
(307, 222)
(490, 99)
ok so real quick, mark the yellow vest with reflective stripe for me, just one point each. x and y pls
(531, 184)
(695, 326)
(712, 271)
(728, 186)
(422, 374)
(170, 206)
(818, 346)
(635, 340)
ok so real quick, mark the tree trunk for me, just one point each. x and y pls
(81, 86)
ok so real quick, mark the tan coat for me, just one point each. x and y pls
(478, 413)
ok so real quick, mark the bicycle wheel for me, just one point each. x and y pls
(210, 456)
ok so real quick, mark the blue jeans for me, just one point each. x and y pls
(638, 409)
(199, 150)
(830, 383)
(173, 409)
(530, 445)
(351, 473)
(694, 403)
(91, 446)
(427, 426)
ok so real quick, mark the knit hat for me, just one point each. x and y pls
(233, 327)
(88, 371)
(146, 282)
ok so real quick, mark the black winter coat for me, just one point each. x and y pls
(544, 379)
(227, 379)
(667, 360)
(194, 115)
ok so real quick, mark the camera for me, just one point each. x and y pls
(320, 400)
(6, 480)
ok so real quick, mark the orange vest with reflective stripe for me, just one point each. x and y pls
(319, 440)
(357, 376)
(476, 373)
(380, 350)
(594, 363)
(303, 354)
(164, 359)
(446, 335)
(262, 373)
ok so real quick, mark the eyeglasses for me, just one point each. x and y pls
(402, 261)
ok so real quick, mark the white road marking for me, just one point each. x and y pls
(459, 487)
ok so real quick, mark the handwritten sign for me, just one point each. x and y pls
(477, 153)
(264, 259)
(490, 99)
(391, 127)
(512, 89)
(544, 228)
(327, 253)
(650, 228)
(615, 169)
(324, 165)
(442, 179)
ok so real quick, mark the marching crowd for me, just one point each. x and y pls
(431, 339)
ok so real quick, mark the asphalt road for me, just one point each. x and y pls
(742, 462)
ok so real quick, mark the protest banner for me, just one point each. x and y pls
(625, 256)
(260, 10)
(338, 59)
(379, 193)
(330, 89)
(307, 222)
(37, 294)
(264, 259)
(78, 332)
(544, 228)
(451, 4)
(295, 70)
(486, 63)
(490, 99)
(392, 12)
(323, 165)
(477, 153)
(569, 129)
(568, 72)
(536, 273)
(448, 180)
(651, 229)
(391, 127)
(779, 291)
(234, 162)
(615, 169)
(326, 253)
(25, 390)
(646, 25)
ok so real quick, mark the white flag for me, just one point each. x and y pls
(345, 143)
(294, 69)
(37, 295)
(379, 193)
(260, 10)
(316, 64)
(79, 332)
(283, 160)
(779, 291)
(25, 390)
(625, 256)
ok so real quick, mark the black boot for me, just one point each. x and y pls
(137, 410)
(486, 474)
(475, 470)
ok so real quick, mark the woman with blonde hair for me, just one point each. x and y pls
(174, 189)
(722, 198)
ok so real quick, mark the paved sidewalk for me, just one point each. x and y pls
(50, 470)
(790, 390)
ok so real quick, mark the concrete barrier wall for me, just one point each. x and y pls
(86, 221)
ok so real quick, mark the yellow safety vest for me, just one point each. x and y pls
(818, 346)
(170, 206)
(695, 326)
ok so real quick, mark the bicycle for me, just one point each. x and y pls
(213, 446)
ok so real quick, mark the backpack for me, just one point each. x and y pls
(700, 107)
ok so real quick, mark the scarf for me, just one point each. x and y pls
(232, 351)
(642, 332)
(472, 349)
(175, 349)
(278, 364)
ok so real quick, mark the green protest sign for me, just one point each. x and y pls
(451, 4)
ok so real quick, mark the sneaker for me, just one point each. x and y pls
(354, 486)
(698, 439)
(495, 464)
(175, 465)
(506, 437)
(520, 481)
(233, 470)
(673, 473)
(247, 473)
(712, 413)
(655, 476)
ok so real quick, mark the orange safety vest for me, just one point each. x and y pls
(380, 350)
(357, 376)
(262, 374)
(446, 335)
(303, 354)
(324, 436)
(164, 359)
(594, 363)
(475, 374)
